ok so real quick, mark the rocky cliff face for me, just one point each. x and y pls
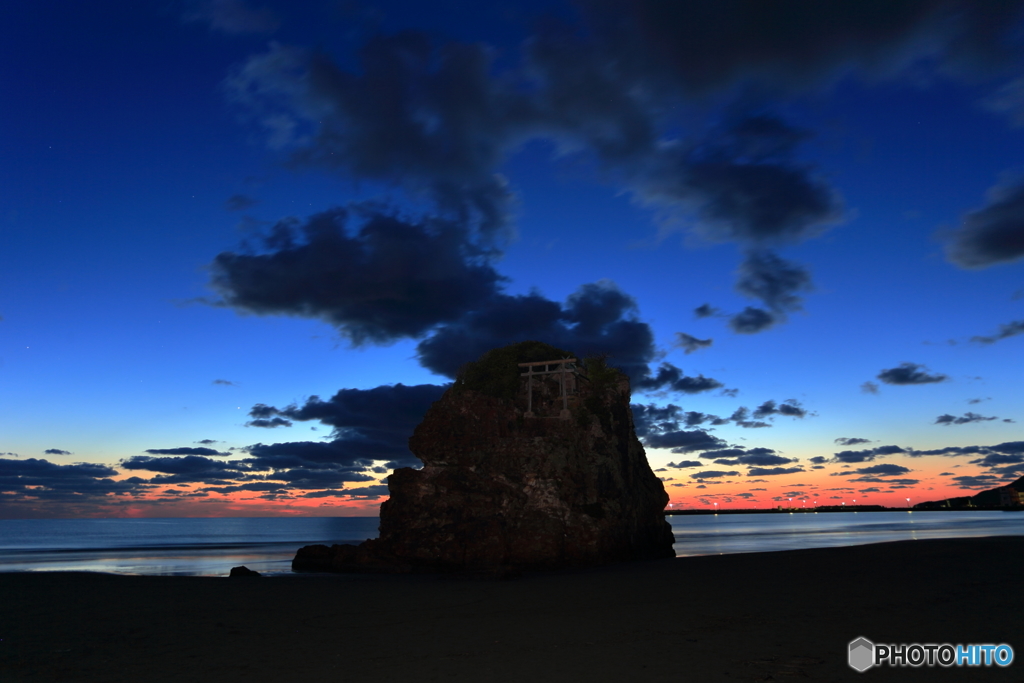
(501, 489)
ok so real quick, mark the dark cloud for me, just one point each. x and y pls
(207, 441)
(952, 451)
(314, 478)
(869, 388)
(332, 493)
(867, 455)
(262, 410)
(505, 320)
(883, 470)
(979, 481)
(743, 187)
(759, 457)
(751, 321)
(888, 450)
(269, 423)
(694, 418)
(689, 343)
(705, 311)
(684, 441)
(767, 471)
(369, 425)
(41, 482)
(651, 418)
(851, 441)
(741, 417)
(963, 419)
(355, 453)
(993, 234)
(257, 486)
(188, 469)
(672, 378)
(56, 451)
(686, 463)
(801, 43)
(187, 450)
(998, 460)
(278, 468)
(597, 319)
(1007, 330)
(892, 483)
(910, 373)
(233, 16)
(386, 280)
(239, 202)
(741, 183)
(426, 117)
(773, 281)
(44, 468)
(724, 453)
(1009, 470)
(224, 382)
(713, 474)
(819, 460)
(790, 408)
(366, 492)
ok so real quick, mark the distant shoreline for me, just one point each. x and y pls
(851, 508)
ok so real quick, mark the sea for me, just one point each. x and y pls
(212, 546)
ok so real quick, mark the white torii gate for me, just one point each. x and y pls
(561, 368)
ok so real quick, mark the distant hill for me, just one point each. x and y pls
(986, 499)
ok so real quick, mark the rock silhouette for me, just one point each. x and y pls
(242, 571)
(535, 472)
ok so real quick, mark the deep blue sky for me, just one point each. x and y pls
(212, 211)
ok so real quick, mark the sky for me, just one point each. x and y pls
(245, 245)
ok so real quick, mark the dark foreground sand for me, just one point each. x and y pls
(785, 616)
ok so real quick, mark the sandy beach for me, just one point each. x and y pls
(750, 617)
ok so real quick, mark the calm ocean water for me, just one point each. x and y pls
(210, 547)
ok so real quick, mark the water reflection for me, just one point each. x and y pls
(210, 547)
(725, 534)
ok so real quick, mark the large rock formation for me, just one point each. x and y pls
(517, 475)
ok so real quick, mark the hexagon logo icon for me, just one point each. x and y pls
(862, 654)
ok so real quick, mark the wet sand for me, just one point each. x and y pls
(754, 617)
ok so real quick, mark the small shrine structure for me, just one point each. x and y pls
(566, 371)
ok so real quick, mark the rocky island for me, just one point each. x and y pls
(530, 461)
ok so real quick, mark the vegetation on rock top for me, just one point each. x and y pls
(496, 373)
